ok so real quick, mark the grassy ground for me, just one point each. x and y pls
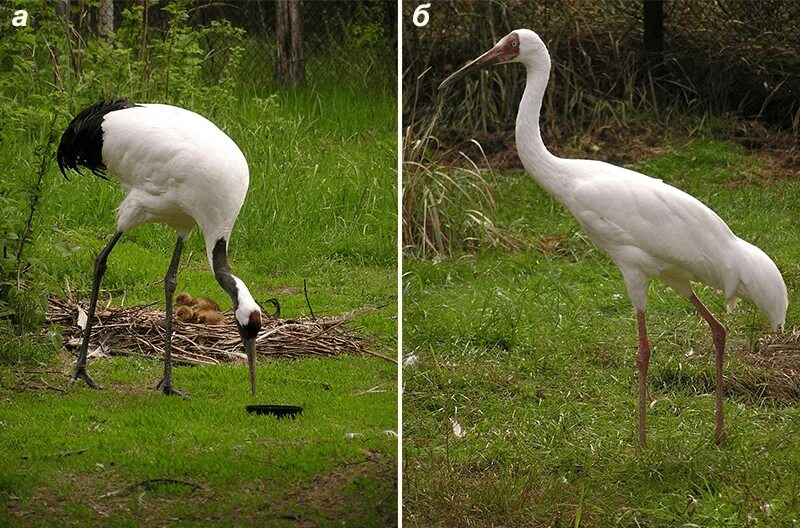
(321, 207)
(532, 353)
(70, 458)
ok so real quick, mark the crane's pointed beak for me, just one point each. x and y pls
(250, 350)
(504, 51)
(484, 61)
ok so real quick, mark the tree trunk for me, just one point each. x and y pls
(105, 19)
(653, 15)
(281, 34)
(298, 61)
(291, 69)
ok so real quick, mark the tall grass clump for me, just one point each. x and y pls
(448, 207)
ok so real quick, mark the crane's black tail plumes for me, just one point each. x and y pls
(82, 141)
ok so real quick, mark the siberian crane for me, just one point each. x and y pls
(646, 227)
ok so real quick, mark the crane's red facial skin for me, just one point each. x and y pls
(504, 51)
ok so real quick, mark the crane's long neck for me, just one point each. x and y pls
(536, 159)
(243, 303)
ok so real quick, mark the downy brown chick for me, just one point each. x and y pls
(210, 317)
(186, 314)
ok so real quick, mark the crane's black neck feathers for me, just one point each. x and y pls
(82, 142)
(219, 259)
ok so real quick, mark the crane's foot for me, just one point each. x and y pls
(720, 437)
(168, 390)
(82, 374)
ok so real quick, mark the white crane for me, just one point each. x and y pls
(647, 228)
(179, 169)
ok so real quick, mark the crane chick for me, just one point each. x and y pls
(185, 314)
(209, 317)
(198, 303)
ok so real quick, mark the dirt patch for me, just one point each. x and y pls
(627, 144)
(358, 494)
(336, 496)
(772, 369)
(620, 145)
(779, 151)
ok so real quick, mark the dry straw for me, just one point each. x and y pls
(139, 331)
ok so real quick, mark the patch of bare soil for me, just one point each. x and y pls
(336, 496)
(355, 494)
(773, 369)
(779, 151)
(620, 145)
(625, 145)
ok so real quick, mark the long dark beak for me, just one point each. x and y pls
(487, 59)
(250, 350)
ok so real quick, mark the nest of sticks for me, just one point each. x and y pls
(139, 331)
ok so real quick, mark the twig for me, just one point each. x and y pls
(72, 453)
(387, 358)
(149, 484)
(308, 302)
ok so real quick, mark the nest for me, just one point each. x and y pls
(139, 331)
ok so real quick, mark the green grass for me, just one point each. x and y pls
(321, 206)
(533, 352)
(251, 470)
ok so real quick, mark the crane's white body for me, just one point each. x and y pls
(647, 227)
(179, 169)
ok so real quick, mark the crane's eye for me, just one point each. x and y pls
(513, 44)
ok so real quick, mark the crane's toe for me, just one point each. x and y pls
(82, 374)
(168, 390)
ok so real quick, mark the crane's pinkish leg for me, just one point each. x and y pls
(718, 336)
(642, 362)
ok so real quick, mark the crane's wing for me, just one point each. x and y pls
(631, 215)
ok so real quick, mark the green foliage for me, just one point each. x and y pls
(364, 28)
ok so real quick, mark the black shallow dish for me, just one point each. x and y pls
(281, 411)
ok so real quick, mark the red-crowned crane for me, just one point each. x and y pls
(179, 169)
(647, 228)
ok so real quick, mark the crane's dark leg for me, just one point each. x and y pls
(718, 334)
(99, 271)
(643, 363)
(165, 385)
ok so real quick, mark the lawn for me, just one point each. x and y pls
(532, 353)
(86, 457)
(321, 207)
